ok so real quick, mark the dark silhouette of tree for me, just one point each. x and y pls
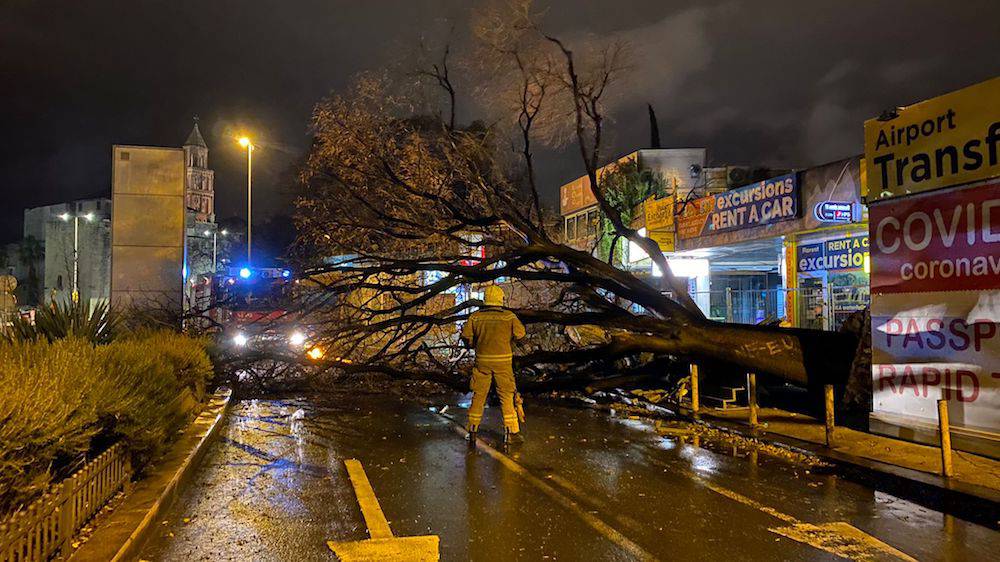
(402, 213)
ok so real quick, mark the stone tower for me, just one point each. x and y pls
(199, 180)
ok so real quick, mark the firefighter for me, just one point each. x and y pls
(491, 331)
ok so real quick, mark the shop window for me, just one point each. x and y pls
(593, 221)
(571, 228)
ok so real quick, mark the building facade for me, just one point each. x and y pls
(51, 233)
(201, 231)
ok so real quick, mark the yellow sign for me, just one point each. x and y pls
(659, 214)
(944, 141)
(665, 238)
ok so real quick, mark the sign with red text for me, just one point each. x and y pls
(935, 274)
(931, 346)
(944, 241)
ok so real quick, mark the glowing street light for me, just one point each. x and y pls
(89, 217)
(240, 340)
(297, 339)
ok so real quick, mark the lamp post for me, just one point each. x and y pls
(76, 249)
(245, 143)
(215, 247)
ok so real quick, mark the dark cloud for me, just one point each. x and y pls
(784, 83)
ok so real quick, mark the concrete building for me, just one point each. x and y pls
(52, 229)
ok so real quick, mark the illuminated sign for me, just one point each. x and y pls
(948, 140)
(842, 253)
(757, 204)
(834, 211)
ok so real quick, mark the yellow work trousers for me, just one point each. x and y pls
(483, 375)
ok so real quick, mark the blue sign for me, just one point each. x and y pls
(834, 211)
(842, 253)
(757, 204)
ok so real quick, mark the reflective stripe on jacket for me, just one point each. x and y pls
(490, 331)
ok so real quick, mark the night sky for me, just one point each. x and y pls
(757, 82)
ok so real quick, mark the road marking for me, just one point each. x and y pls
(378, 526)
(382, 546)
(590, 519)
(841, 539)
(838, 538)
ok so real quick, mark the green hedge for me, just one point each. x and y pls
(64, 401)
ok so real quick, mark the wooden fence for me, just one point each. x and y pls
(45, 528)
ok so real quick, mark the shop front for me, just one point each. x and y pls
(791, 249)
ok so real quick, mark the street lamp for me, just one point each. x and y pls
(89, 217)
(215, 246)
(245, 143)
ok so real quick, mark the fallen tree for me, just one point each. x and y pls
(401, 209)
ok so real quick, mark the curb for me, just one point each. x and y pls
(165, 497)
(968, 501)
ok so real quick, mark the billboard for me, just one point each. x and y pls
(757, 204)
(947, 241)
(948, 140)
(147, 226)
(935, 260)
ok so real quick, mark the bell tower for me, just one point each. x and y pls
(199, 180)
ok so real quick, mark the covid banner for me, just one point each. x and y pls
(935, 273)
(942, 241)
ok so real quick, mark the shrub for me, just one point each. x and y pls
(143, 404)
(186, 356)
(67, 398)
(46, 414)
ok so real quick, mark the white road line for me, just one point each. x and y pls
(590, 519)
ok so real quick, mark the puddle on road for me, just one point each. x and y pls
(675, 432)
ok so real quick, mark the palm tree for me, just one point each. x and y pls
(30, 253)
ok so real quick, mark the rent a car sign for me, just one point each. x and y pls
(756, 204)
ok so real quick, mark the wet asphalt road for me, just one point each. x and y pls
(583, 487)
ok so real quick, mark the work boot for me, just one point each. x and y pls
(512, 438)
(471, 438)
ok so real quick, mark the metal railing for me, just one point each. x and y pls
(824, 308)
(47, 525)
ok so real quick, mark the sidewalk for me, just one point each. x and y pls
(975, 486)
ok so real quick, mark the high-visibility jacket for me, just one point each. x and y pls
(491, 331)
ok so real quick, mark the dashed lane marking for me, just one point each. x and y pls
(570, 504)
(838, 538)
(382, 546)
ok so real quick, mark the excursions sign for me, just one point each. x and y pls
(831, 255)
(937, 242)
(757, 204)
(948, 140)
